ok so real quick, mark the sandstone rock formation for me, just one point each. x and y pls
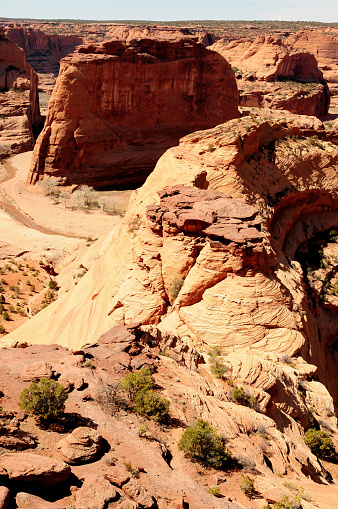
(19, 101)
(43, 51)
(102, 131)
(83, 444)
(211, 254)
(32, 467)
(272, 75)
(324, 45)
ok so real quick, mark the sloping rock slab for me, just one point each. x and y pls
(30, 467)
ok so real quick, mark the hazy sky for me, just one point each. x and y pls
(303, 10)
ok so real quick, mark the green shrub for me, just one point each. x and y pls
(44, 399)
(214, 490)
(5, 316)
(247, 485)
(52, 284)
(202, 443)
(286, 502)
(138, 381)
(320, 443)
(217, 366)
(152, 404)
(240, 396)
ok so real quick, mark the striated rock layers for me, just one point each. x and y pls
(208, 256)
(272, 75)
(43, 51)
(19, 101)
(118, 106)
(324, 45)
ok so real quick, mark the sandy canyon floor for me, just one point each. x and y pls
(32, 223)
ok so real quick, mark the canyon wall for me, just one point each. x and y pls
(118, 106)
(272, 75)
(19, 101)
(324, 46)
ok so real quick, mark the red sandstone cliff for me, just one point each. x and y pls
(324, 45)
(43, 51)
(19, 101)
(118, 106)
(271, 74)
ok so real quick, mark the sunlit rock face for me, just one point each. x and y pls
(119, 105)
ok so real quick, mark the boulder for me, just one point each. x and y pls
(94, 493)
(32, 467)
(5, 495)
(35, 371)
(82, 445)
(135, 490)
(28, 501)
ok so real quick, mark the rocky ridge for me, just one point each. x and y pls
(102, 131)
(19, 101)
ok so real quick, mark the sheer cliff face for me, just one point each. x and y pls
(43, 51)
(19, 101)
(118, 106)
(324, 45)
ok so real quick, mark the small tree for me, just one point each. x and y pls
(320, 443)
(83, 195)
(138, 381)
(202, 443)
(44, 399)
(152, 404)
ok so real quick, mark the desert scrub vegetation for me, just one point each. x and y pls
(286, 502)
(247, 485)
(320, 443)
(201, 443)
(44, 399)
(242, 397)
(217, 365)
(139, 386)
(175, 287)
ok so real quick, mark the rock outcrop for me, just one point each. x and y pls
(19, 101)
(43, 51)
(118, 106)
(31, 467)
(82, 445)
(324, 45)
(271, 74)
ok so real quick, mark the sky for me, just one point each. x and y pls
(173, 10)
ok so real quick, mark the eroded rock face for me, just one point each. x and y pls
(43, 51)
(19, 101)
(118, 106)
(31, 467)
(324, 45)
(272, 74)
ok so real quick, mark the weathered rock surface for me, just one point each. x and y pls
(111, 131)
(28, 501)
(273, 75)
(82, 445)
(324, 45)
(31, 467)
(19, 101)
(95, 492)
(43, 51)
(4, 497)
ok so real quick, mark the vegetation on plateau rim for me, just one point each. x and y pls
(207, 22)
